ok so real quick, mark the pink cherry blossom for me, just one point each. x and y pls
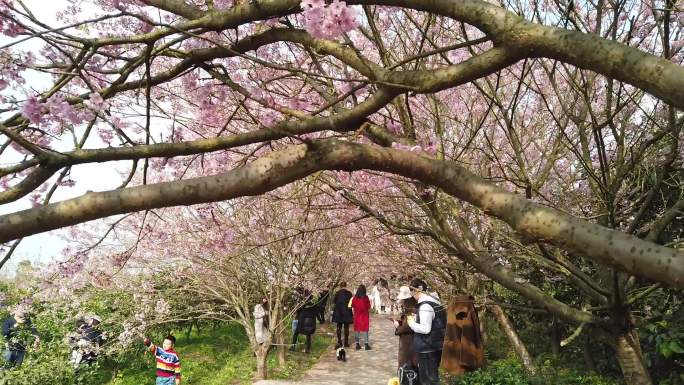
(106, 134)
(330, 21)
(96, 102)
(60, 109)
(34, 110)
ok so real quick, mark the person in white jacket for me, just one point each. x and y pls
(428, 325)
(376, 301)
(261, 321)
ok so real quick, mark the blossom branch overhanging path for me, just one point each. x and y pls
(514, 39)
(656, 75)
(601, 244)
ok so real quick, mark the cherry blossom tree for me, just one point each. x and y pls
(547, 130)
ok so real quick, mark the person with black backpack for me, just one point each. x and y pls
(428, 326)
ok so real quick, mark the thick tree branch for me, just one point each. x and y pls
(658, 76)
(178, 7)
(603, 245)
(36, 178)
(653, 74)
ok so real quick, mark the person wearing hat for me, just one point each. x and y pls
(429, 326)
(407, 356)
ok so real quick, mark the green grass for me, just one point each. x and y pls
(221, 356)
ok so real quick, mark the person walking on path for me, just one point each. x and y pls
(168, 362)
(375, 300)
(294, 302)
(360, 305)
(306, 323)
(18, 332)
(407, 355)
(261, 321)
(429, 326)
(321, 304)
(342, 314)
(385, 301)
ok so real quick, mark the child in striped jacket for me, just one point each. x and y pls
(168, 363)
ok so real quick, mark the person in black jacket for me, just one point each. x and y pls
(342, 314)
(322, 302)
(306, 323)
(17, 331)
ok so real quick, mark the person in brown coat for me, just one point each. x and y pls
(408, 306)
(463, 351)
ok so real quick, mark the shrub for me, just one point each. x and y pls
(502, 372)
(509, 371)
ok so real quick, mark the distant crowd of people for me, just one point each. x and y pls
(420, 326)
(347, 309)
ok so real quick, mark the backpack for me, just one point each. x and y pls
(433, 341)
(408, 375)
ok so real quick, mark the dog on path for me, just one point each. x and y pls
(341, 355)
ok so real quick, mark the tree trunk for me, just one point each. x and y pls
(280, 341)
(514, 339)
(484, 330)
(188, 332)
(588, 357)
(482, 315)
(555, 337)
(631, 361)
(261, 355)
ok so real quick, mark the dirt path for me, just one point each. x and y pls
(372, 367)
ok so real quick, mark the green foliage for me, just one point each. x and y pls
(662, 337)
(48, 362)
(502, 372)
(510, 372)
(216, 355)
(536, 332)
(668, 339)
(49, 365)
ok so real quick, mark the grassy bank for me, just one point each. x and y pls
(217, 356)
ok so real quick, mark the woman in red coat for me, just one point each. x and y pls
(360, 305)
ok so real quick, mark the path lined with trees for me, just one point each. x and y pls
(527, 153)
(363, 367)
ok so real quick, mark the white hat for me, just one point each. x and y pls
(404, 293)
